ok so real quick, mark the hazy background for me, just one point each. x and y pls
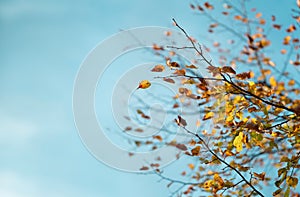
(42, 46)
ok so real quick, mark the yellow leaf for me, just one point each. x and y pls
(292, 181)
(218, 179)
(237, 142)
(273, 82)
(144, 84)
(208, 115)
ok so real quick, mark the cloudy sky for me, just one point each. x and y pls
(43, 43)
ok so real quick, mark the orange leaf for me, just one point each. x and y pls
(238, 17)
(291, 28)
(258, 15)
(158, 137)
(191, 166)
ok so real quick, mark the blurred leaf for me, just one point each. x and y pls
(158, 68)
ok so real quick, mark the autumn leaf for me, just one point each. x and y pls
(208, 6)
(144, 84)
(228, 69)
(158, 68)
(181, 147)
(195, 151)
(191, 166)
(144, 168)
(172, 65)
(180, 121)
(261, 176)
(158, 137)
(273, 82)
(191, 66)
(169, 80)
(157, 48)
(292, 181)
(238, 142)
(179, 72)
(208, 115)
(127, 128)
(286, 40)
(291, 28)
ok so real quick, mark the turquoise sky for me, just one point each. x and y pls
(43, 43)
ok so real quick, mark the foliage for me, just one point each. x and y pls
(251, 97)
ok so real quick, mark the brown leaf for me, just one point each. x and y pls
(191, 66)
(127, 129)
(202, 86)
(214, 70)
(169, 80)
(154, 165)
(175, 105)
(181, 147)
(144, 168)
(250, 39)
(180, 72)
(158, 68)
(276, 26)
(139, 130)
(145, 116)
(228, 69)
(200, 8)
(261, 176)
(213, 25)
(181, 121)
(208, 6)
(244, 75)
(157, 48)
(172, 64)
(195, 151)
(158, 137)
(291, 28)
(251, 109)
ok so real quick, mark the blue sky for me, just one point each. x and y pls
(42, 46)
